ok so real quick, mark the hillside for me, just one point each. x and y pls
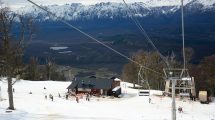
(111, 23)
(34, 106)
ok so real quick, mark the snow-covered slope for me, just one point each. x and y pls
(130, 107)
(114, 10)
(161, 3)
(206, 3)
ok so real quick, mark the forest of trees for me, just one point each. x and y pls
(150, 60)
(12, 47)
(35, 71)
(204, 72)
(16, 33)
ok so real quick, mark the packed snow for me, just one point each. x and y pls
(129, 107)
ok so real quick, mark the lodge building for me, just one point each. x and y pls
(96, 86)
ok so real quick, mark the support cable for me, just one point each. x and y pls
(137, 23)
(89, 36)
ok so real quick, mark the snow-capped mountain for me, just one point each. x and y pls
(205, 3)
(111, 22)
(110, 10)
(201, 5)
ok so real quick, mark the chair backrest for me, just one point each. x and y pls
(144, 92)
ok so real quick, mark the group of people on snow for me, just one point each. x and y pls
(67, 96)
(87, 97)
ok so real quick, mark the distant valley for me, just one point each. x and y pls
(116, 29)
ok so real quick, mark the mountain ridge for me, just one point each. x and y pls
(77, 11)
(111, 23)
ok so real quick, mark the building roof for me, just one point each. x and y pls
(91, 83)
(116, 88)
(117, 79)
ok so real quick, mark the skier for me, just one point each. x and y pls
(77, 99)
(88, 97)
(59, 95)
(67, 96)
(52, 98)
(180, 109)
(150, 100)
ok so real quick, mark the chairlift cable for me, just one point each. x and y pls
(137, 23)
(89, 36)
(145, 34)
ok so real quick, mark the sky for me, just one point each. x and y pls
(14, 4)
